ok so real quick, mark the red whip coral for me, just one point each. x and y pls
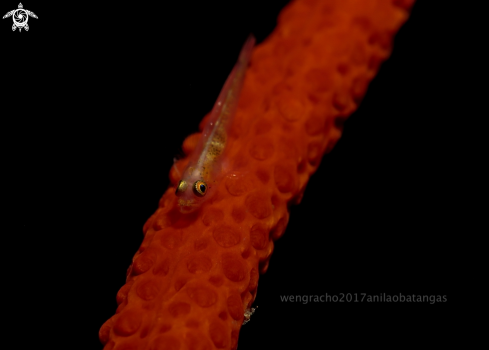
(196, 274)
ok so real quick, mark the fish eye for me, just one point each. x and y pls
(182, 186)
(200, 188)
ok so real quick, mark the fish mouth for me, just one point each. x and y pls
(186, 206)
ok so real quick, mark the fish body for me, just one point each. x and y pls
(205, 166)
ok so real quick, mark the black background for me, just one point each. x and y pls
(96, 102)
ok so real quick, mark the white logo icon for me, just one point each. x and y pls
(20, 17)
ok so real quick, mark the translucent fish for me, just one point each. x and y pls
(205, 166)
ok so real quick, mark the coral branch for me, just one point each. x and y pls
(195, 275)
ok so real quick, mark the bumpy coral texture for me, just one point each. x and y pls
(195, 274)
